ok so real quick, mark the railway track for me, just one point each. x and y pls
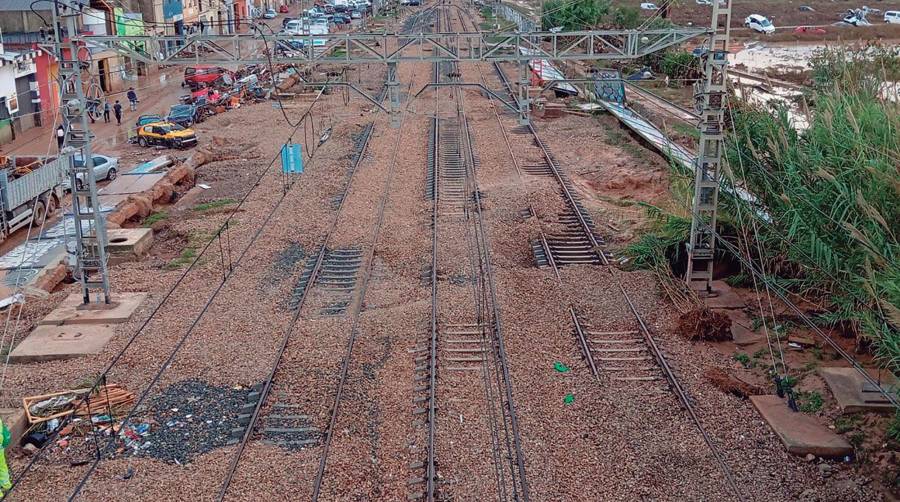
(464, 352)
(281, 426)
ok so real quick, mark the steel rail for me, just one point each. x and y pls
(430, 471)
(645, 332)
(582, 340)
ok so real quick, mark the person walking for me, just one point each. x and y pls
(106, 112)
(132, 98)
(117, 110)
(60, 137)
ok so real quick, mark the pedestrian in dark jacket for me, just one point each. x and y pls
(60, 137)
(117, 110)
(106, 112)
(132, 98)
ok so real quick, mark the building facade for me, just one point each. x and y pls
(20, 103)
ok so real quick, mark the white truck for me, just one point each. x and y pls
(30, 189)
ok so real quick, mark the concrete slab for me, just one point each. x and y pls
(70, 310)
(128, 243)
(854, 394)
(125, 185)
(17, 423)
(801, 434)
(723, 297)
(48, 343)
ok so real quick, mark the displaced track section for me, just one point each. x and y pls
(626, 352)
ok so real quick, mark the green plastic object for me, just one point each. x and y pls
(569, 399)
(560, 367)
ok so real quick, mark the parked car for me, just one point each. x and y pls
(892, 16)
(355, 14)
(184, 115)
(759, 23)
(341, 19)
(649, 6)
(166, 134)
(105, 168)
(812, 30)
(204, 75)
(270, 14)
(147, 119)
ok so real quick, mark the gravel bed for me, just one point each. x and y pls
(613, 441)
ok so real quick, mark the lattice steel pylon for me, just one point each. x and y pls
(90, 228)
(711, 95)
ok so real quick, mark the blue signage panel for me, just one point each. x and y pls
(292, 158)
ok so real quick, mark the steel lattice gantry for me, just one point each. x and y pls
(365, 48)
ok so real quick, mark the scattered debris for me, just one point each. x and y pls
(107, 399)
(732, 385)
(187, 419)
(705, 324)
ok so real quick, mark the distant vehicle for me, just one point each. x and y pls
(294, 27)
(355, 14)
(148, 119)
(892, 16)
(414, 3)
(759, 23)
(199, 76)
(184, 115)
(166, 134)
(287, 20)
(649, 6)
(709, 2)
(856, 17)
(283, 9)
(811, 30)
(270, 14)
(341, 19)
(105, 168)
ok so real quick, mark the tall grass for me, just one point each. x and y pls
(831, 195)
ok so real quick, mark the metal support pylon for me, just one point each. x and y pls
(524, 101)
(711, 95)
(393, 87)
(90, 228)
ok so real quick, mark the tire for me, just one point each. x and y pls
(52, 204)
(142, 141)
(39, 212)
(111, 174)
